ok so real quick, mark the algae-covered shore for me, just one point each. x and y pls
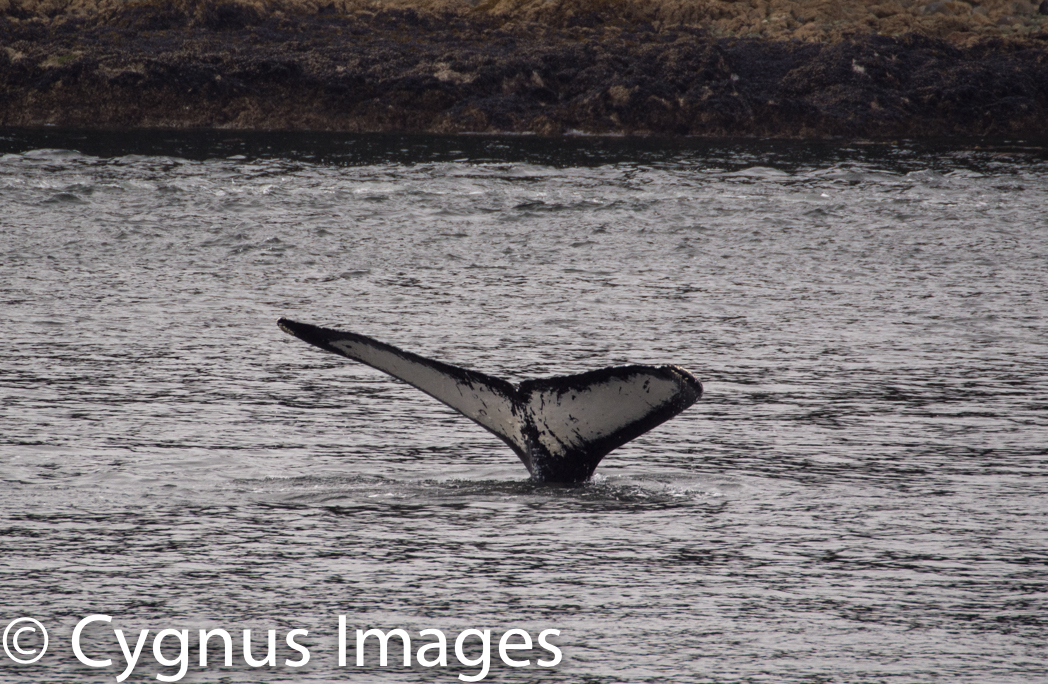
(777, 68)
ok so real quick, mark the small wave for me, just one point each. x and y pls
(757, 172)
(64, 198)
(51, 153)
(348, 492)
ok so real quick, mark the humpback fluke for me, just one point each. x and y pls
(559, 427)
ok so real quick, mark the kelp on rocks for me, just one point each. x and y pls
(699, 67)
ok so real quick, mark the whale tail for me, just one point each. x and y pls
(559, 427)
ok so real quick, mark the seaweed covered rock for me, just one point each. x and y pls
(690, 67)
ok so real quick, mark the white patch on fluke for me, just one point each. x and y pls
(569, 419)
(471, 397)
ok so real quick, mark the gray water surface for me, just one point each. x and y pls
(860, 496)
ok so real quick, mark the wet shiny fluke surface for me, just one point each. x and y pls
(860, 496)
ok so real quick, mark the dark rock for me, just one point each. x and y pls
(403, 70)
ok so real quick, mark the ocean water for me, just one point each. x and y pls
(861, 495)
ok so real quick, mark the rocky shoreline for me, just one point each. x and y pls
(592, 67)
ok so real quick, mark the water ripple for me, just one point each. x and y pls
(858, 497)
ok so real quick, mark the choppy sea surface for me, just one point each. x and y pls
(861, 495)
